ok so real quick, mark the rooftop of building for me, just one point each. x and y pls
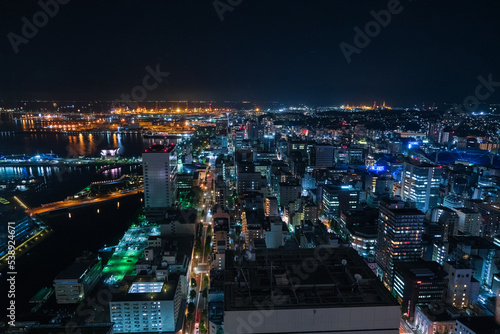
(77, 269)
(472, 241)
(183, 216)
(489, 206)
(221, 224)
(420, 269)
(8, 213)
(216, 312)
(194, 167)
(180, 246)
(270, 280)
(216, 280)
(444, 208)
(370, 232)
(158, 148)
(339, 186)
(466, 210)
(400, 207)
(167, 289)
(483, 325)
(419, 163)
(438, 312)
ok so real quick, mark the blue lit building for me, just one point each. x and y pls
(23, 226)
(420, 184)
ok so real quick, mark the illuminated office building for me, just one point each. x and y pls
(157, 179)
(420, 182)
(400, 230)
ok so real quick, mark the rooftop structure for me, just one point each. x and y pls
(324, 290)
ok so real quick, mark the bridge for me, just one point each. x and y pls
(123, 177)
(78, 203)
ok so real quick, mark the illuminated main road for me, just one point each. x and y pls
(75, 203)
(202, 267)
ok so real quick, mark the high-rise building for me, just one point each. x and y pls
(378, 187)
(215, 317)
(462, 289)
(274, 232)
(147, 305)
(446, 219)
(247, 178)
(289, 192)
(220, 228)
(355, 156)
(339, 197)
(220, 191)
(323, 156)
(157, 180)
(418, 283)
(251, 225)
(311, 211)
(21, 224)
(360, 229)
(491, 216)
(400, 230)
(420, 182)
(271, 206)
(469, 222)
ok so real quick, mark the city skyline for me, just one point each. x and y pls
(232, 166)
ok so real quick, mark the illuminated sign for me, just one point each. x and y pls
(377, 168)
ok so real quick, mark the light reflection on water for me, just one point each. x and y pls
(67, 145)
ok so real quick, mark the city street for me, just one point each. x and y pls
(202, 267)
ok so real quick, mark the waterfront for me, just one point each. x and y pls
(69, 144)
(85, 230)
(51, 184)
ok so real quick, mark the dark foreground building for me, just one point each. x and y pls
(320, 290)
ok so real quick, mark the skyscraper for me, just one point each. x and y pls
(220, 192)
(420, 182)
(400, 231)
(157, 180)
(144, 304)
(323, 156)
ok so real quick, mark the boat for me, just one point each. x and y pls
(150, 134)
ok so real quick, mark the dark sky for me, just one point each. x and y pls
(285, 51)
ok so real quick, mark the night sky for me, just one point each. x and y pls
(286, 51)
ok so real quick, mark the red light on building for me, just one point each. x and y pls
(419, 282)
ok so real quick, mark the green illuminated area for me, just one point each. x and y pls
(128, 252)
(121, 264)
(191, 198)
